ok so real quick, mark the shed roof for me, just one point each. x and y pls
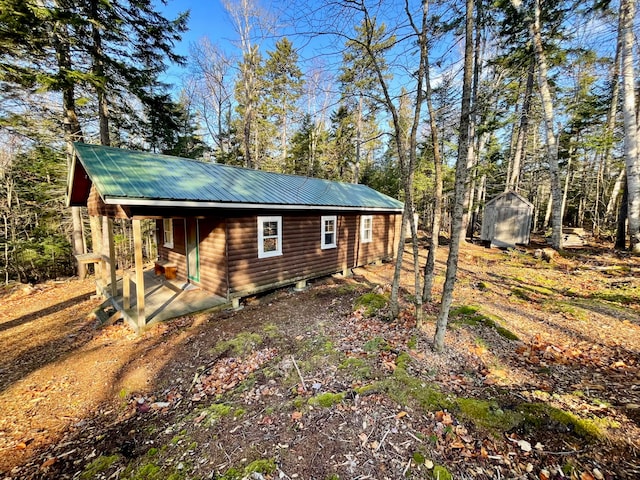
(509, 193)
(133, 178)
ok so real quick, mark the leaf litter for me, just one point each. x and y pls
(328, 392)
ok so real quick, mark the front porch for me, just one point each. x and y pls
(163, 299)
(157, 297)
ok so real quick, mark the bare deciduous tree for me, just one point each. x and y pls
(460, 183)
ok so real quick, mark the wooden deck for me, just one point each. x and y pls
(163, 299)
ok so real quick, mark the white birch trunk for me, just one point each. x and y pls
(627, 14)
(549, 120)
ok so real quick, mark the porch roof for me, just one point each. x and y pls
(133, 178)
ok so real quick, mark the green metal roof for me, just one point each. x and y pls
(128, 177)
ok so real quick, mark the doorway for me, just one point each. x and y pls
(193, 251)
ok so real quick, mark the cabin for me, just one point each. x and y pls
(230, 231)
(507, 220)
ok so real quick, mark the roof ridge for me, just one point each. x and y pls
(223, 165)
(138, 176)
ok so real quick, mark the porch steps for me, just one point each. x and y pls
(107, 313)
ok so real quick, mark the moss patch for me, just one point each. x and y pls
(522, 294)
(262, 465)
(469, 315)
(151, 471)
(99, 465)
(271, 330)
(326, 400)
(402, 388)
(540, 415)
(441, 473)
(375, 344)
(488, 415)
(241, 344)
(213, 413)
(371, 303)
(358, 368)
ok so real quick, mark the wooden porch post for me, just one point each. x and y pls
(137, 245)
(96, 247)
(112, 259)
(104, 251)
(126, 290)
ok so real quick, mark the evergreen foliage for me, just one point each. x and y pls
(34, 242)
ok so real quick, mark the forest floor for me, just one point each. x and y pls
(540, 380)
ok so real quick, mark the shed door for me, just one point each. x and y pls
(193, 252)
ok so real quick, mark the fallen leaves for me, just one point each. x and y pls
(227, 373)
(584, 353)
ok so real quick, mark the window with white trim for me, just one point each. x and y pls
(167, 232)
(366, 228)
(269, 237)
(329, 235)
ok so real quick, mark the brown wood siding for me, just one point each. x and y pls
(384, 238)
(96, 207)
(302, 255)
(228, 250)
(213, 256)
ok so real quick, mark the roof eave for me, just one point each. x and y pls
(146, 202)
(70, 183)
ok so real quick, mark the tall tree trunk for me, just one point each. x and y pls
(615, 193)
(356, 170)
(460, 184)
(609, 130)
(549, 121)
(518, 153)
(567, 178)
(621, 230)
(103, 114)
(549, 209)
(627, 15)
(429, 268)
(406, 150)
(473, 153)
(283, 140)
(98, 70)
(73, 132)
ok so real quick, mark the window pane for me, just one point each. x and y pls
(270, 229)
(270, 244)
(328, 226)
(328, 239)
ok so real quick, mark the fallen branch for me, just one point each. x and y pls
(304, 386)
(414, 437)
(383, 439)
(406, 468)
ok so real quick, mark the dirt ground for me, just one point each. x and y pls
(540, 380)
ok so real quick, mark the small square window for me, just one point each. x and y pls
(269, 236)
(328, 236)
(366, 229)
(167, 234)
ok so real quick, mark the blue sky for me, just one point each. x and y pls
(207, 18)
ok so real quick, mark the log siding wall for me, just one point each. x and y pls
(229, 263)
(96, 207)
(302, 254)
(213, 255)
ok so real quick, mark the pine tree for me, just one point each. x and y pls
(283, 88)
(360, 90)
(67, 51)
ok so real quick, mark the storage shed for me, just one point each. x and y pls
(233, 231)
(507, 220)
